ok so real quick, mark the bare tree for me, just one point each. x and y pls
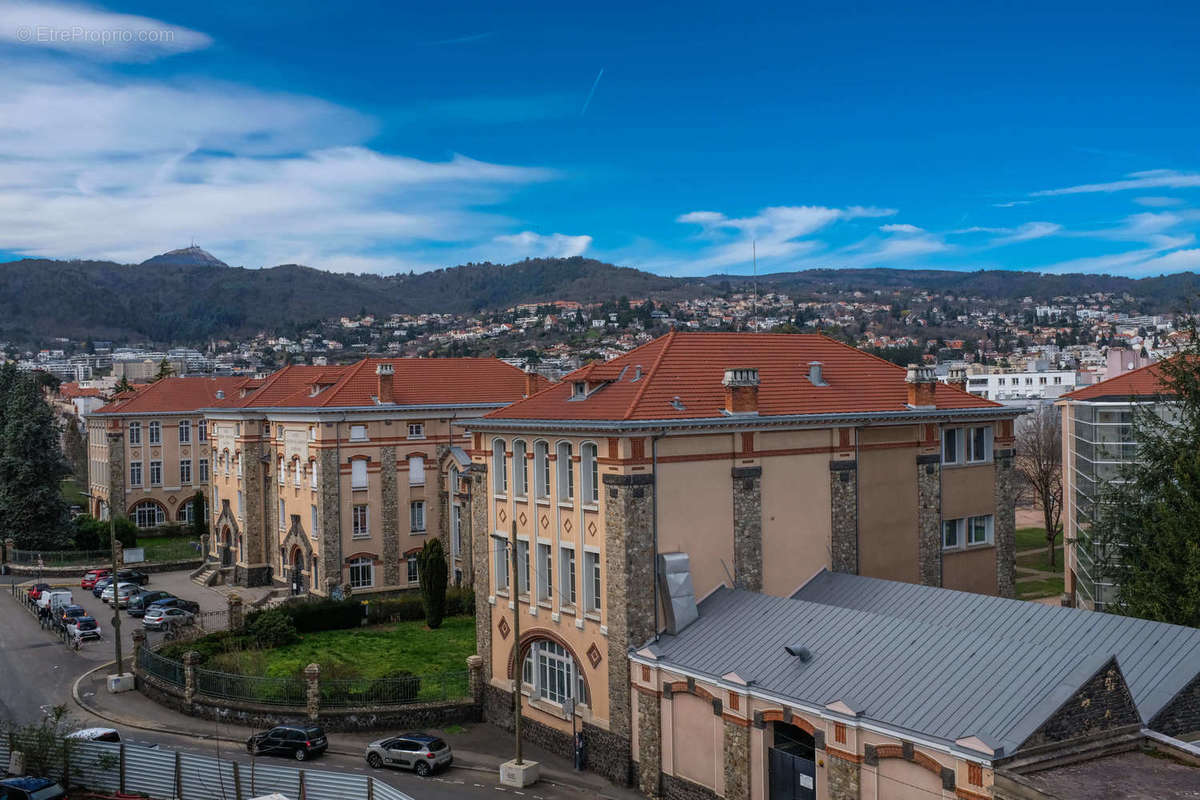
(1039, 462)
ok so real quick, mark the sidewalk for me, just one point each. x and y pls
(477, 746)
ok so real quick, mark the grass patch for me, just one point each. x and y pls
(72, 493)
(369, 652)
(453, 729)
(1038, 560)
(167, 548)
(1031, 590)
(1030, 537)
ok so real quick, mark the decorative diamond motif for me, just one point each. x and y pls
(567, 525)
(523, 519)
(504, 628)
(545, 522)
(501, 515)
(593, 655)
(591, 528)
(172, 500)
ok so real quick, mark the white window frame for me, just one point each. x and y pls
(593, 586)
(952, 534)
(416, 516)
(551, 675)
(959, 445)
(281, 468)
(135, 434)
(566, 472)
(185, 431)
(359, 480)
(568, 579)
(312, 475)
(241, 505)
(282, 515)
(156, 469)
(205, 472)
(297, 477)
(185, 471)
(455, 529)
(154, 435)
(360, 521)
(414, 570)
(416, 430)
(202, 430)
(545, 576)
(985, 523)
(416, 470)
(522, 567)
(313, 533)
(520, 477)
(589, 473)
(135, 473)
(541, 469)
(358, 433)
(365, 578)
(501, 569)
(499, 468)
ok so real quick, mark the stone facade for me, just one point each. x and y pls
(649, 761)
(116, 470)
(737, 761)
(843, 495)
(480, 543)
(258, 535)
(329, 513)
(747, 528)
(1102, 704)
(929, 519)
(1182, 714)
(391, 515)
(1005, 526)
(682, 789)
(629, 568)
(844, 777)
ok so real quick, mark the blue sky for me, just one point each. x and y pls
(383, 137)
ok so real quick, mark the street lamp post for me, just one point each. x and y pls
(518, 773)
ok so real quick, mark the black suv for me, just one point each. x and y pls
(174, 602)
(288, 740)
(139, 603)
(133, 576)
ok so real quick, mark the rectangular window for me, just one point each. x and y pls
(416, 516)
(241, 505)
(282, 517)
(135, 433)
(500, 566)
(979, 530)
(361, 521)
(156, 473)
(185, 470)
(456, 530)
(312, 530)
(591, 581)
(204, 470)
(591, 474)
(952, 534)
(155, 433)
(185, 431)
(135, 473)
(950, 445)
(312, 475)
(541, 466)
(362, 573)
(416, 430)
(566, 473)
(358, 473)
(520, 470)
(544, 566)
(566, 560)
(414, 575)
(979, 444)
(202, 430)
(358, 433)
(499, 467)
(281, 471)
(522, 567)
(416, 471)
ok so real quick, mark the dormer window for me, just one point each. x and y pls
(578, 390)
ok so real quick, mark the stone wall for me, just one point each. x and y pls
(844, 777)
(258, 534)
(1103, 703)
(1182, 714)
(681, 789)
(747, 528)
(74, 572)
(649, 755)
(481, 547)
(737, 761)
(390, 527)
(329, 513)
(843, 495)
(116, 471)
(929, 519)
(1005, 525)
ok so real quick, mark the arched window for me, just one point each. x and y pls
(148, 514)
(281, 471)
(296, 472)
(135, 433)
(589, 474)
(156, 432)
(312, 474)
(541, 469)
(238, 457)
(566, 473)
(550, 673)
(202, 430)
(520, 469)
(362, 572)
(499, 467)
(453, 481)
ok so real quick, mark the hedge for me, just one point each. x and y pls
(311, 616)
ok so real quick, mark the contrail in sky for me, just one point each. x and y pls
(591, 93)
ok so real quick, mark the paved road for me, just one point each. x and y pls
(39, 672)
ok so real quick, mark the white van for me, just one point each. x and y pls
(54, 598)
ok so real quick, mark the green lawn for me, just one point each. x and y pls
(167, 548)
(1030, 537)
(1030, 590)
(72, 492)
(1038, 560)
(374, 652)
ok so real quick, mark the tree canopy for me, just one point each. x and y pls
(32, 509)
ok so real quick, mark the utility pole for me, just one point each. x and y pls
(116, 584)
(514, 592)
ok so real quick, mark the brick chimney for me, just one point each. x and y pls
(386, 392)
(741, 390)
(921, 383)
(530, 382)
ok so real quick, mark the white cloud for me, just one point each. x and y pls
(1012, 204)
(901, 228)
(1028, 231)
(537, 245)
(1149, 179)
(1158, 202)
(94, 33)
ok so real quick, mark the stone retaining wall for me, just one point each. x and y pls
(76, 571)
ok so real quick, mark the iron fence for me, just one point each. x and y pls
(163, 668)
(397, 690)
(248, 688)
(62, 558)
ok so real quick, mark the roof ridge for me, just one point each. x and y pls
(1131, 372)
(343, 381)
(649, 376)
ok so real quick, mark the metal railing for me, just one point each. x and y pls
(251, 689)
(164, 669)
(63, 558)
(400, 690)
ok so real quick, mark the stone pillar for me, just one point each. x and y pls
(139, 641)
(330, 513)
(9, 546)
(1005, 530)
(475, 677)
(312, 677)
(476, 514)
(843, 496)
(204, 540)
(649, 775)
(190, 659)
(629, 574)
(390, 503)
(737, 761)
(116, 469)
(237, 617)
(929, 518)
(258, 534)
(844, 778)
(747, 528)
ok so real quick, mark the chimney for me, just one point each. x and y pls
(741, 390)
(814, 374)
(530, 382)
(386, 392)
(921, 384)
(958, 378)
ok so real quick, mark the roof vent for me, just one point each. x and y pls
(679, 598)
(799, 651)
(637, 374)
(220, 394)
(815, 377)
(676, 403)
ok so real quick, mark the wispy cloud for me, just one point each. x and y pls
(94, 33)
(1011, 203)
(1148, 179)
(537, 245)
(1158, 202)
(899, 227)
(1029, 231)
(591, 92)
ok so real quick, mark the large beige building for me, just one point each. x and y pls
(763, 458)
(148, 450)
(327, 477)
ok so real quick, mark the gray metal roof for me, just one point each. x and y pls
(1157, 659)
(926, 680)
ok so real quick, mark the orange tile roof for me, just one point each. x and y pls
(69, 391)
(171, 395)
(417, 381)
(691, 366)
(1140, 382)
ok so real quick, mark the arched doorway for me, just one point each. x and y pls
(792, 765)
(226, 548)
(299, 579)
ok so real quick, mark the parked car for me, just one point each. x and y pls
(161, 619)
(124, 592)
(88, 581)
(51, 599)
(139, 604)
(288, 740)
(30, 789)
(36, 590)
(175, 602)
(68, 613)
(96, 735)
(420, 752)
(83, 628)
(133, 576)
(101, 585)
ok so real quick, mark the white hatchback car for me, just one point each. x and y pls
(125, 591)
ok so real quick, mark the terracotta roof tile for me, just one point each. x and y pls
(171, 394)
(1144, 381)
(691, 366)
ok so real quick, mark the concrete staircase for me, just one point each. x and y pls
(207, 575)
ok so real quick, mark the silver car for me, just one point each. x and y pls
(125, 591)
(162, 618)
(420, 752)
